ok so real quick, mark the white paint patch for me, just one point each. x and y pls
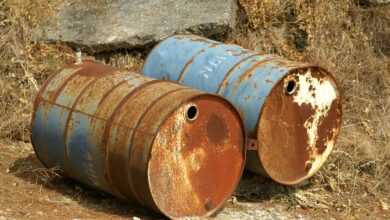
(319, 94)
(321, 158)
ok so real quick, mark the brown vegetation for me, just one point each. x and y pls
(346, 39)
(350, 40)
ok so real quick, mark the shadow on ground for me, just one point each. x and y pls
(257, 189)
(252, 189)
(31, 170)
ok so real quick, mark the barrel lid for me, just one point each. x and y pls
(197, 158)
(298, 125)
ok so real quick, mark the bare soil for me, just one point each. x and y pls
(30, 191)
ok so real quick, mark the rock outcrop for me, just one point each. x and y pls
(103, 25)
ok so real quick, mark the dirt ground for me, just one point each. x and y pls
(348, 37)
(30, 191)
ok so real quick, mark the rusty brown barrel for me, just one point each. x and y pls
(291, 110)
(173, 149)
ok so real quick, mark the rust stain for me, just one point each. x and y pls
(87, 69)
(123, 102)
(104, 97)
(297, 131)
(36, 102)
(214, 45)
(68, 108)
(118, 148)
(105, 107)
(95, 117)
(224, 81)
(192, 37)
(203, 40)
(249, 72)
(191, 170)
(94, 69)
(67, 126)
(110, 120)
(43, 88)
(328, 128)
(142, 145)
(133, 180)
(216, 129)
(241, 52)
(92, 97)
(190, 61)
(57, 92)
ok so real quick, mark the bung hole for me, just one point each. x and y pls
(192, 113)
(291, 86)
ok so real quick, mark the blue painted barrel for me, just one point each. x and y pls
(291, 110)
(173, 149)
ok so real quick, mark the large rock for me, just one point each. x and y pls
(103, 25)
(373, 2)
(379, 2)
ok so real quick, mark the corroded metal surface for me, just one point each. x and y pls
(308, 119)
(173, 149)
(208, 143)
(291, 110)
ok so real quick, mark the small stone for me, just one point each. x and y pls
(374, 2)
(385, 206)
(234, 200)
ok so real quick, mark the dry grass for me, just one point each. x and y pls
(25, 64)
(349, 40)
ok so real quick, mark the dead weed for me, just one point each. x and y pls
(349, 41)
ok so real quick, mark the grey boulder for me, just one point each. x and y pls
(104, 25)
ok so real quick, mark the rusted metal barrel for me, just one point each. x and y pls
(174, 149)
(291, 110)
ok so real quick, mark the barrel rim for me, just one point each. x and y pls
(340, 97)
(34, 111)
(36, 101)
(219, 207)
